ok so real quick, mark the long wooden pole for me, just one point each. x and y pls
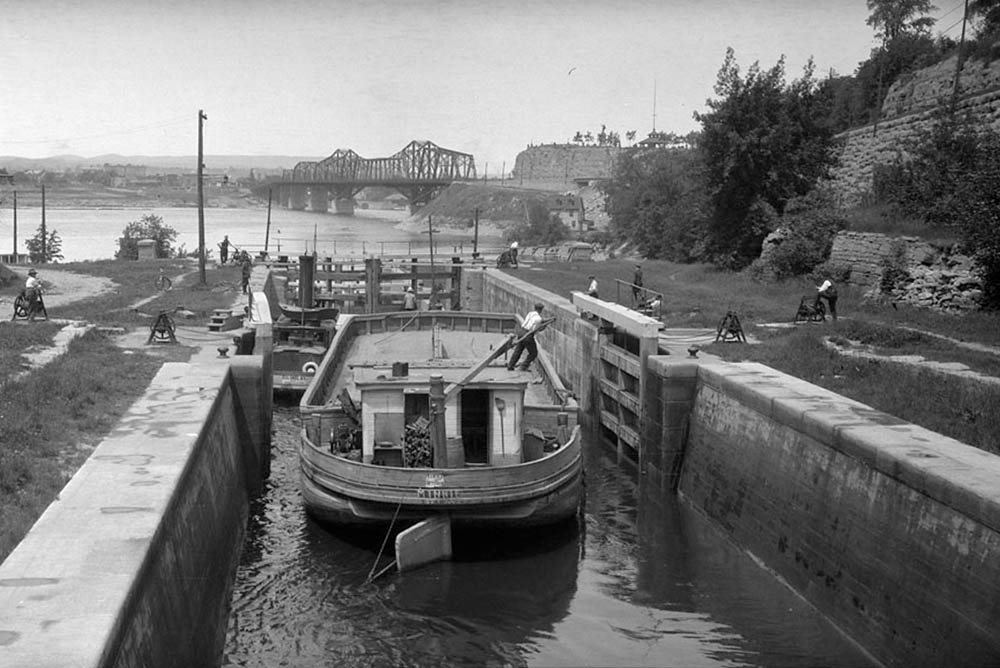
(267, 231)
(15, 227)
(44, 238)
(201, 202)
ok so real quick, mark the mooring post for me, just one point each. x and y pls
(307, 265)
(439, 444)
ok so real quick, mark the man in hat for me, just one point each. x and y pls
(636, 283)
(409, 300)
(224, 250)
(828, 292)
(32, 291)
(531, 323)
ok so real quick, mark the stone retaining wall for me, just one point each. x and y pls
(564, 163)
(890, 530)
(916, 272)
(908, 110)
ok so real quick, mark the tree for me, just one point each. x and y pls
(892, 18)
(988, 14)
(52, 247)
(763, 143)
(656, 200)
(541, 228)
(149, 226)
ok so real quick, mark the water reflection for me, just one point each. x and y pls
(633, 584)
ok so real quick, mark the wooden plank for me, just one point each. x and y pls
(424, 543)
(620, 316)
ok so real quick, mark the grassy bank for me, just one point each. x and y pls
(699, 296)
(51, 419)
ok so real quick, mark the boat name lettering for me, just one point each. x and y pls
(424, 493)
(434, 480)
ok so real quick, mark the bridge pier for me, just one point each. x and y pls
(343, 206)
(319, 200)
(297, 198)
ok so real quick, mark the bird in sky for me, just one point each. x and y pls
(570, 71)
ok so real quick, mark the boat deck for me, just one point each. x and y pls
(372, 358)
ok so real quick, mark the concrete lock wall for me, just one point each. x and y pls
(570, 342)
(133, 564)
(887, 528)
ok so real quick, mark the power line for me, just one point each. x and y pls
(955, 8)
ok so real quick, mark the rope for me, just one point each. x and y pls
(382, 549)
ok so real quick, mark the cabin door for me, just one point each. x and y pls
(476, 425)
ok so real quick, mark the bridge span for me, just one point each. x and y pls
(418, 171)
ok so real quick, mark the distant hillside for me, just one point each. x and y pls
(240, 163)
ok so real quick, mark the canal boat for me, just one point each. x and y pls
(301, 338)
(414, 419)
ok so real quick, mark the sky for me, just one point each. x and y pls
(306, 77)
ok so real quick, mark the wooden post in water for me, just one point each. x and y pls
(439, 445)
(307, 270)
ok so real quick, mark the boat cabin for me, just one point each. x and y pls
(483, 421)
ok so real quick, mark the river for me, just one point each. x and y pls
(92, 234)
(649, 583)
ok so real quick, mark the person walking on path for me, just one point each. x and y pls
(636, 284)
(409, 300)
(245, 269)
(32, 291)
(224, 250)
(828, 292)
(532, 321)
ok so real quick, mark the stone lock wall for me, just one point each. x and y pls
(909, 109)
(889, 529)
(925, 274)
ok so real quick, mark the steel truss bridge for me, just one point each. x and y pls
(418, 171)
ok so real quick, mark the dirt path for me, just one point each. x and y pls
(61, 287)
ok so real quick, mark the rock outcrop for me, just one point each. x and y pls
(908, 270)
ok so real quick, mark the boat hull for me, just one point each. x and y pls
(341, 492)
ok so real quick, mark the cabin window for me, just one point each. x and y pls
(476, 425)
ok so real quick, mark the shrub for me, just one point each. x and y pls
(49, 251)
(149, 226)
(893, 266)
(808, 241)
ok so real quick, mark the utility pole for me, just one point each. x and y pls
(44, 239)
(430, 238)
(958, 65)
(267, 230)
(475, 237)
(201, 202)
(15, 227)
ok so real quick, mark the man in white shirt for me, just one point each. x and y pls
(829, 293)
(592, 288)
(530, 325)
(513, 253)
(32, 290)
